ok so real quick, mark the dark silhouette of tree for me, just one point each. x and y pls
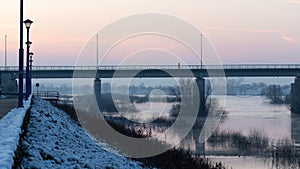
(275, 94)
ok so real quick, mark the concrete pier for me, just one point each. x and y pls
(97, 91)
(295, 130)
(201, 88)
(199, 123)
(295, 96)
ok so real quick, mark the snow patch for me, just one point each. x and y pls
(10, 130)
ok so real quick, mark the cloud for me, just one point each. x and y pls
(278, 33)
(289, 39)
(293, 1)
(261, 30)
(245, 30)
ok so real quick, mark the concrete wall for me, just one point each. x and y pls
(8, 84)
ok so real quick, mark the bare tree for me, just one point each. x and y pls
(275, 94)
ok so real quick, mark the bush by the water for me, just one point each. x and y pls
(178, 159)
(276, 95)
(258, 144)
(174, 158)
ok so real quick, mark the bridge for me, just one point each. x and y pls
(161, 71)
(200, 72)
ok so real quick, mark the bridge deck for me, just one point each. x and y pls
(109, 71)
(143, 67)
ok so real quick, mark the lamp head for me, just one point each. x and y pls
(31, 54)
(28, 23)
(30, 58)
(28, 43)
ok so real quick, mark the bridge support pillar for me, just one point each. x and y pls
(201, 88)
(199, 105)
(97, 91)
(295, 134)
(295, 96)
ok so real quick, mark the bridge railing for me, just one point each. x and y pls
(142, 67)
(52, 96)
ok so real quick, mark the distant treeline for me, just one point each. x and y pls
(234, 87)
(118, 102)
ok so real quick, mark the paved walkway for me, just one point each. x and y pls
(6, 104)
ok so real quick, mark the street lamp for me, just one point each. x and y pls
(201, 51)
(21, 58)
(28, 44)
(30, 70)
(27, 23)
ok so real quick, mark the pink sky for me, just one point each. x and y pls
(257, 31)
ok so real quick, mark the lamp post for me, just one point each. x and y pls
(5, 52)
(97, 51)
(28, 43)
(30, 70)
(21, 58)
(201, 51)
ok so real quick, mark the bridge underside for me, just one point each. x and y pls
(161, 73)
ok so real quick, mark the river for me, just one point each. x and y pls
(245, 113)
(255, 112)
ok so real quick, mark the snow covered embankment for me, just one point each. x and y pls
(10, 130)
(53, 140)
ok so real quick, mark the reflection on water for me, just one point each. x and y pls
(247, 113)
(244, 115)
(246, 162)
(254, 112)
(149, 111)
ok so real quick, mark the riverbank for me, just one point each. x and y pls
(168, 159)
(54, 140)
